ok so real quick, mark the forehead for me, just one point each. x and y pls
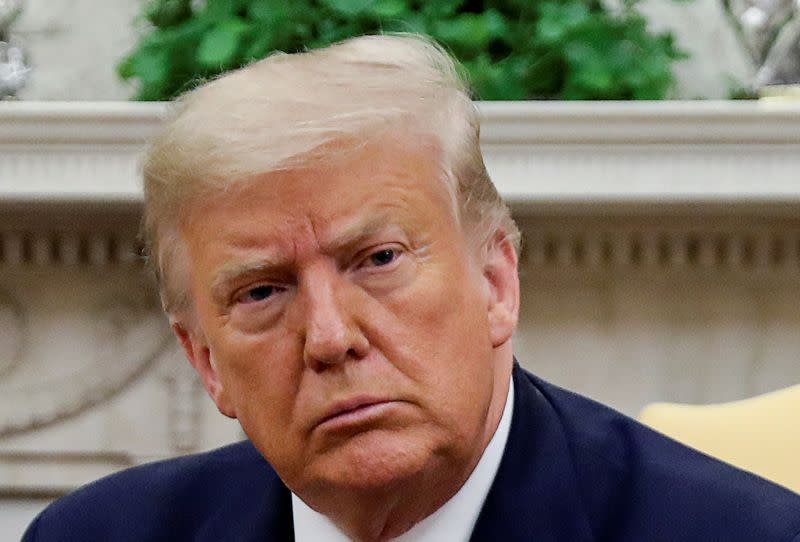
(387, 180)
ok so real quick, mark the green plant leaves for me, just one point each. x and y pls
(470, 33)
(347, 8)
(502, 80)
(388, 8)
(165, 13)
(510, 49)
(372, 8)
(219, 47)
(151, 67)
(218, 10)
(268, 11)
(440, 9)
(558, 20)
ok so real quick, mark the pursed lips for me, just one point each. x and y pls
(353, 406)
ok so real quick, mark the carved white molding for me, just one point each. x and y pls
(11, 339)
(126, 333)
(539, 153)
(185, 407)
(126, 337)
(21, 247)
(741, 244)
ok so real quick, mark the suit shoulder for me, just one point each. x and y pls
(140, 500)
(175, 475)
(651, 481)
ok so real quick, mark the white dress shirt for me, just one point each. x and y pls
(453, 522)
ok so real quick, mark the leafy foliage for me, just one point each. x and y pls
(510, 49)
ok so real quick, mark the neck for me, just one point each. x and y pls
(389, 511)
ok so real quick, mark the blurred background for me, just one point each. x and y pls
(649, 151)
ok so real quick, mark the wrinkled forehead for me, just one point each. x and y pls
(288, 219)
(337, 172)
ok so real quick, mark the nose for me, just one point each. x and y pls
(332, 335)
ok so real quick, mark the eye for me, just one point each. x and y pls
(258, 293)
(383, 257)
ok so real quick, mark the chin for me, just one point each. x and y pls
(374, 461)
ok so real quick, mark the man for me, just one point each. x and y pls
(342, 275)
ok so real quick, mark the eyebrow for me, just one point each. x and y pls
(236, 271)
(344, 238)
(354, 232)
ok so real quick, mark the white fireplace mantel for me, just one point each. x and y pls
(540, 154)
(661, 261)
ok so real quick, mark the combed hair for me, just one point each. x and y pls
(292, 111)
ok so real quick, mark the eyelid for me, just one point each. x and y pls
(239, 295)
(362, 259)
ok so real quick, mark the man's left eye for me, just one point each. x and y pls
(383, 257)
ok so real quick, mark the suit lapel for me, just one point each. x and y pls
(534, 496)
(261, 510)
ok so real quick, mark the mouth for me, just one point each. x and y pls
(354, 412)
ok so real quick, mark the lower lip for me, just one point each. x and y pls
(359, 416)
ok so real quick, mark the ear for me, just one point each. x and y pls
(500, 272)
(199, 354)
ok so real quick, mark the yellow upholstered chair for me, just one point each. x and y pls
(760, 434)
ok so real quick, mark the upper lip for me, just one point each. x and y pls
(342, 407)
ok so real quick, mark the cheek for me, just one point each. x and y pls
(447, 306)
(436, 332)
(456, 325)
(264, 380)
(260, 377)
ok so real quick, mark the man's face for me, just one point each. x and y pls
(342, 317)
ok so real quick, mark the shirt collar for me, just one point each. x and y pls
(454, 521)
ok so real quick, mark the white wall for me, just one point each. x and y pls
(74, 45)
(16, 514)
(717, 59)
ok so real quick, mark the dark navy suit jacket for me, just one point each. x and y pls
(572, 471)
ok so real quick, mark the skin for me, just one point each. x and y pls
(364, 345)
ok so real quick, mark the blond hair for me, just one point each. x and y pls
(292, 111)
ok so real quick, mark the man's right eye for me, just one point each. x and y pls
(258, 293)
